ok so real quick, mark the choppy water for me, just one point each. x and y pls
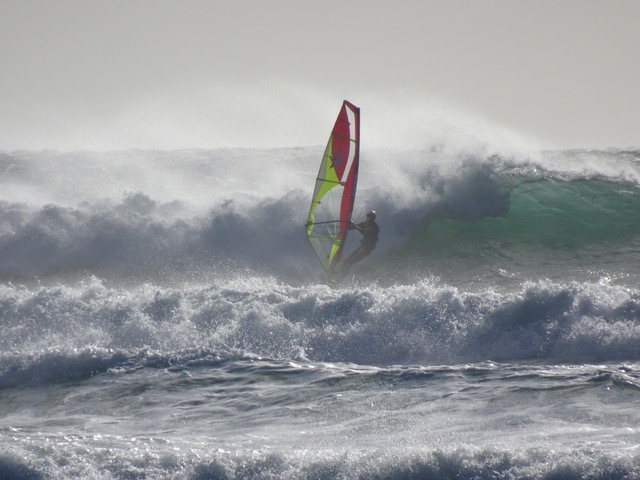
(162, 316)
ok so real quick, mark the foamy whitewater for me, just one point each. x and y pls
(163, 316)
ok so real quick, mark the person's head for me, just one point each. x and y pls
(371, 215)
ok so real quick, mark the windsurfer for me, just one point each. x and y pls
(369, 230)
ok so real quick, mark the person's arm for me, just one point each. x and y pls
(354, 226)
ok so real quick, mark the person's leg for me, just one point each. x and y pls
(350, 259)
(356, 256)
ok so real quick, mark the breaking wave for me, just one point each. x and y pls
(431, 209)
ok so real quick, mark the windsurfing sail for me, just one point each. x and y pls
(335, 191)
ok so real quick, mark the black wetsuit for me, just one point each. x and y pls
(369, 231)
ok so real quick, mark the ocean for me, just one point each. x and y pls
(162, 316)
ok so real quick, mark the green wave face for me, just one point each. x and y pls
(544, 225)
(552, 214)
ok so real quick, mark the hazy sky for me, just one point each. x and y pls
(182, 74)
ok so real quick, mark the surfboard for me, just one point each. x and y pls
(335, 191)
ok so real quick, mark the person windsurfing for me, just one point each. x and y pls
(369, 230)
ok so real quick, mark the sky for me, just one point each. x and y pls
(167, 74)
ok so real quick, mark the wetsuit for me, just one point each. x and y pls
(369, 231)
